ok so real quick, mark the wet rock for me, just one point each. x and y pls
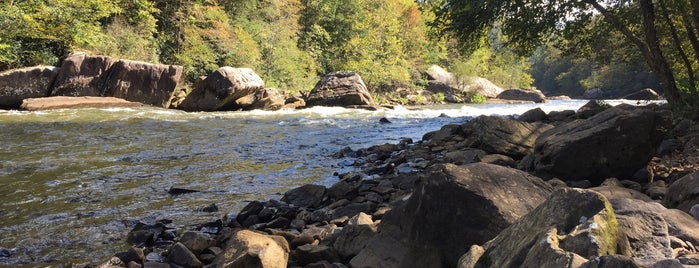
(250, 249)
(340, 89)
(571, 226)
(220, 90)
(19, 84)
(533, 115)
(180, 255)
(384, 120)
(307, 196)
(143, 82)
(179, 190)
(145, 234)
(683, 193)
(613, 143)
(82, 75)
(268, 99)
(452, 208)
(522, 95)
(251, 209)
(210, 208)
(5, 253)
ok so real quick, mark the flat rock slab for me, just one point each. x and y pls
(64, 102)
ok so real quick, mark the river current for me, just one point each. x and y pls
(73, 182)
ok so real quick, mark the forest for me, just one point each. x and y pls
(559, 47)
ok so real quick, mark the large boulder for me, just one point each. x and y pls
(439, 75)
(643, 94)
(452, 208)
(263, 99)
(64, 102)
(500, 135)
(522, 95)
(683, 194)
(222, 88)
(143, 82)
(82, 75)
(340, 89)
(482, 86)
(248, 249)
(594, 94)
(570, 227)
(614, 143)
(19, 84)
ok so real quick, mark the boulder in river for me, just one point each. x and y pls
(643, 95)
(340, 89)
(143, 82)
(82, 75)
(613, 143)
(522, 95)
(65, 102)
(452, 208)
(19, 84)
(221, 89)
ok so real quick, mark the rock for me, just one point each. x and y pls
(667, 263)
(196, 241)
(174, 190)
(571, 226)
(643, 94)
(19, 84)
(500, 135)
(522, 95)
(252, 208)
(647, 235)
(452, 208)
(438, 74)
(247, 249)
(308, 253)
(307, 196)
(294, 102)
(611, 261)
(355, 235)
(145, 234)
(133, 255)
(499, 159)
(561, 116)
(340, 89)
(466, 156)
(683, 194)
(594, 94)
(591, 108)
(482, 86)
(221, 89)
(5, 253)
(143, 82)
(267, 99)
(471, 257)
(533, 115)
(180, 255)
(613, 192)
(613, 143)
(82, 75)
(63, 102)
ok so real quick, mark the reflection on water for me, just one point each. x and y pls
(72, 182)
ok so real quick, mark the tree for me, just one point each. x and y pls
(645, 24)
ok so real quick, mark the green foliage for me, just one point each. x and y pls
(477, 98)
(439, 97)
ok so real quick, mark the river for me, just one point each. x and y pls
(73, 182)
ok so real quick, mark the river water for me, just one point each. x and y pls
(73, 182)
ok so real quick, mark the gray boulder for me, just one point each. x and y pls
(82, 75)
(221, 89)
(522, 95)
(683, 194)
(500, 135)
(452, 208)
(570, 227)
(19, 84)
(643, 94)
(340, 89)
(613, 143)
(143, 82)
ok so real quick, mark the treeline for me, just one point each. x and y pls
(290, 43)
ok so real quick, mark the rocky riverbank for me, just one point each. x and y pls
(597, 187)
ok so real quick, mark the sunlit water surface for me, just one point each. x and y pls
(72, 182)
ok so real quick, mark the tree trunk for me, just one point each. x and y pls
(658, 62)
(678, 45)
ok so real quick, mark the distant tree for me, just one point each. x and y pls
(645, 24)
